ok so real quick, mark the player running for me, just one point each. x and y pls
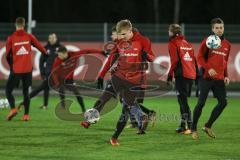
(215, 77)
(19, 58)
(184, 69)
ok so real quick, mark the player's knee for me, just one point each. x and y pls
(25, 94)
(182, 98)
(26, 98)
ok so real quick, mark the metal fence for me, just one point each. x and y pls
(101, 31)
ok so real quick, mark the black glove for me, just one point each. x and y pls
(100, 83)
(144, 55)
(169, 80)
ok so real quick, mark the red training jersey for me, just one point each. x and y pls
(129, 62)
(19, 47)
(216, 59)
(178, 47)
(65, 68)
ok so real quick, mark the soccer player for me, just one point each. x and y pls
(19, 57)
(127, 74)
(184, 69)
(109, 91)
(215, 77)
(46, 62)
(63, 70)
(151, 115)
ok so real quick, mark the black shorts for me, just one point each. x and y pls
(217, 87)
(124, 88)
(183, 86)
(15, 78)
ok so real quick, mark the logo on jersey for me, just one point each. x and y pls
(187, 57)
(130, 54)
(21, 43)
(186, 48)
(218, 52)
(22, 51)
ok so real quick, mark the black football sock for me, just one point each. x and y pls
(121, 123)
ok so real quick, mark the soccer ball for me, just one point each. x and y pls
(92, 116)
(4, 103)
(213, 42)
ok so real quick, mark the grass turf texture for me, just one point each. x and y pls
(47, 137)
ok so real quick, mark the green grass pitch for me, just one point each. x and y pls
(45, 137)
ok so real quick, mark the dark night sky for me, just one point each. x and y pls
(140, 11)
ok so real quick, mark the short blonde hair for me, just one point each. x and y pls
(123, 24)
(175, 29)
